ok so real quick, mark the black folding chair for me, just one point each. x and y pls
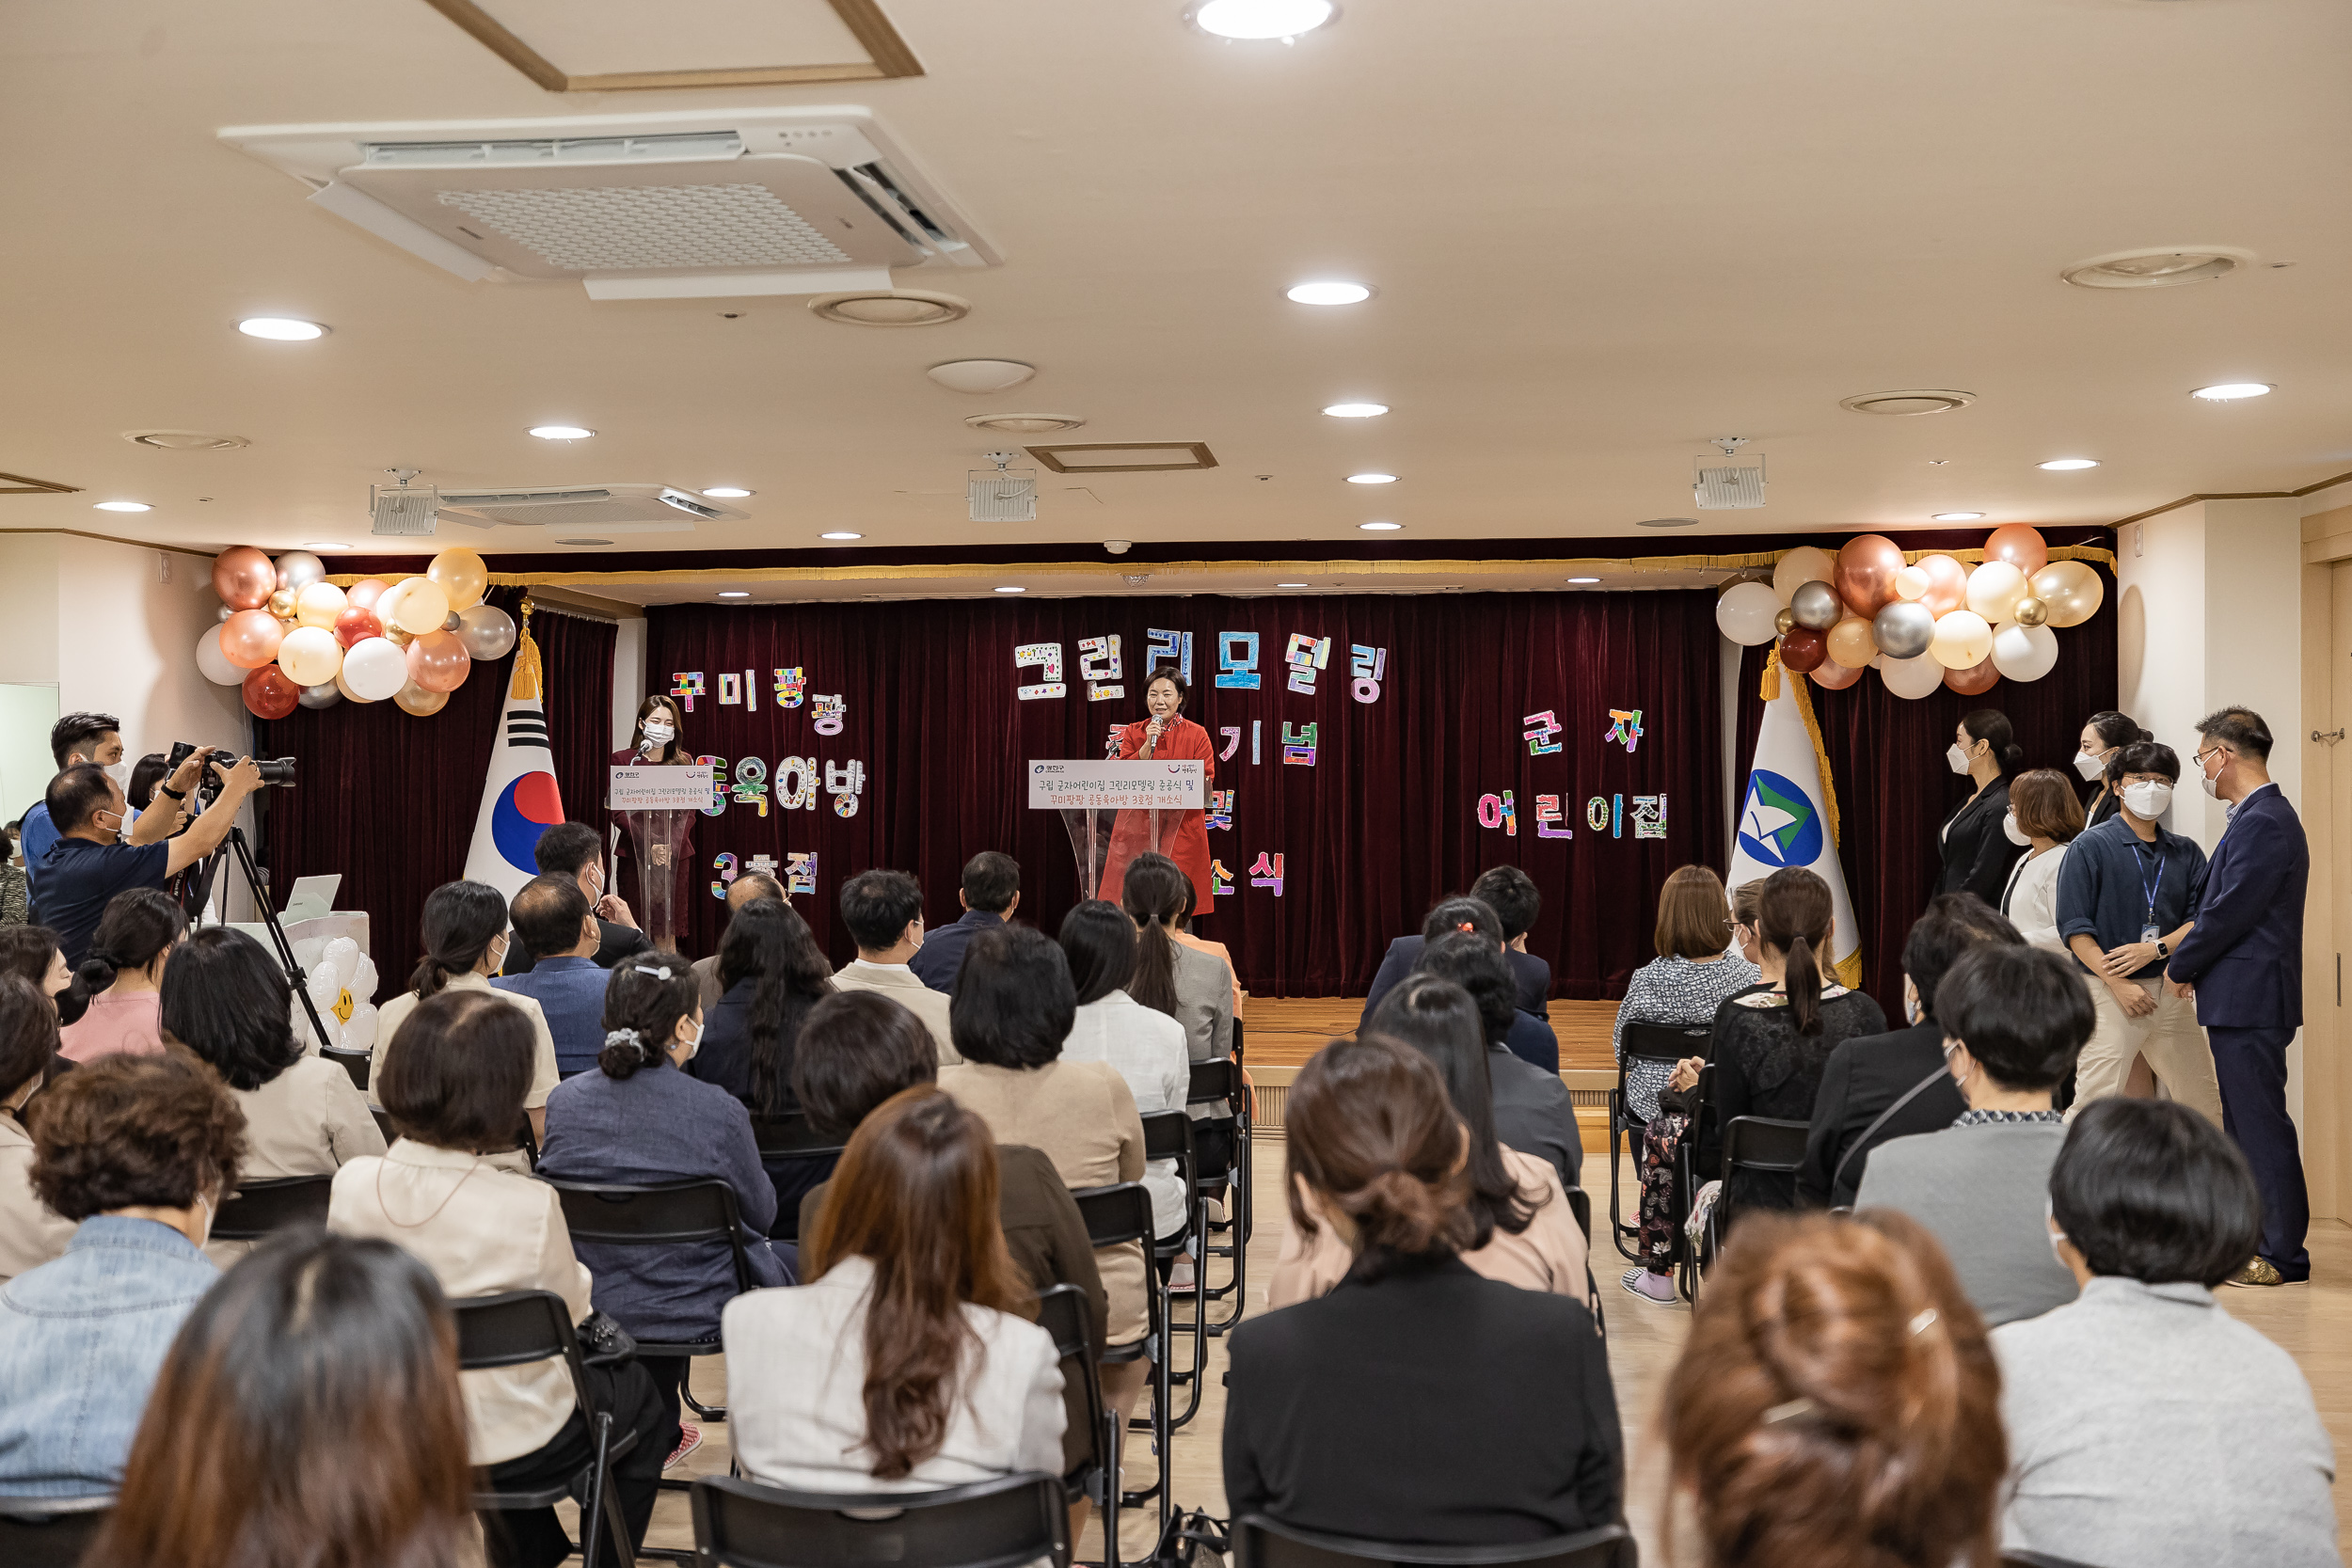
(796, 1157)
(1688, 1177)
(1643, 1042)
(1170, 1136)
(58, 1541)
(993, 1524)
(1117, 1216)
(1260, 1543)
(1223, 1145)
(1762, 1144)
(669, 1214)
(258, 1207)
(384, 1125)
(1094, 1433)
(515, 1329)
(354, 1062)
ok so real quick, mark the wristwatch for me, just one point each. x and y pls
(2162, 951)
(166, 789)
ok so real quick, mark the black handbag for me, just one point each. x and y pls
(603, 1342)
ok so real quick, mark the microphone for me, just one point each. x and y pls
(1150, 742)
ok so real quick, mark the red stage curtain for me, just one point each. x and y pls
(1895, 788)
(1382, 823)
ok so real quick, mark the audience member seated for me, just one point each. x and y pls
(454, 1085)
(1014, 1006)
(121, 974)
(639, 1122)
(770, 974)
(1516, 901)
(1527, 1036)
(139, 1151)
(90, 862)
(307, 1415)
(30, 953)
(575, 850)
(15, 900)
(1533, 1111)
(1522, 1231)
(749, 887)
(465, 937)
(225, 998)
(31, 1232)
(2044, 812)
(1417, 1403)
(907, 1363)
(1891, 1085)
(1697, 971)
(552, 924)
(1182, 932)
(1143, 1046)
(2146, 1425)
(1187, 984)
(990, 891)
(884, 911)
(1836, 1404)
(2013, 1018)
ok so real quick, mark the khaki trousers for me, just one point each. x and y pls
(2169, 1038)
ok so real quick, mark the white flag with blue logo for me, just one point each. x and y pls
(519, 801)
(1783, 820)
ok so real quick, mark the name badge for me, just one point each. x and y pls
(2149, 933)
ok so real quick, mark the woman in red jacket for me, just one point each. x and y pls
(655, 743)
(1183, 835)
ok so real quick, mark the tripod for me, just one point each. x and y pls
(256, 885)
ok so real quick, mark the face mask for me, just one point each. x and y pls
(120, 822)
(498, 961)
(2016, 834)
(2213, 784)
(2089, 763)
(694, 1045)
(2049, 1224)
(659, 733)
(1958, 758)
(1911, 1011)
(121, 773)
(2147, 799)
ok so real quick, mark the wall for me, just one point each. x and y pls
(629, 680)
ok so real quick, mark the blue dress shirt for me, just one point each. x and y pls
(570, 991)
(941, 954)
(2104, 884)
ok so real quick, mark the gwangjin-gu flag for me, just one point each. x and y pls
(1788, 815)
(519, 801)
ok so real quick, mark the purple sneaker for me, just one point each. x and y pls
(1657, 1289)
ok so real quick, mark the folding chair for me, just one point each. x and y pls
(1687, 1180)
(258, 1207)
(1062, 1313)
(1651, 1042)
(796, 1158)
(1116, 1216)
(354, 1062)
(1224, 1147)
(1169, 1135)
(2017, 1557)
(384, 1125)
(993, 1524)
(515, 1329)
(1580, 1205)
(58, 1541)
(1758, 1144)
(1260, 1543)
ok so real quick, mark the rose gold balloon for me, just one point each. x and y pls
(1976, 678)
(1785, 619)
(2020, 546)
(2071, 589)
(416, 701)
(1866, 573)
(249, 639)
(1833, 676)
(1801, 650)
(1850, 644)
(1947, 584)
(270, 692)
(244, 577)
(366, 592)
(355, 624)
(438, 662)
(2031, 612)
(1803, 565)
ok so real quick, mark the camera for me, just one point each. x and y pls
(279, 772)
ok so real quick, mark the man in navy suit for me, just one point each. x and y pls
(2244, 964)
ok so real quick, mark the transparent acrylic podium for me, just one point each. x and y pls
(1099, 833)
(657, 837)
(1116, 810)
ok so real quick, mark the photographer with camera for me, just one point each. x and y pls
(89, 862)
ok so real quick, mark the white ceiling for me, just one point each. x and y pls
(1603, 233)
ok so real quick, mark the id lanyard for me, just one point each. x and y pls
(2150, 885)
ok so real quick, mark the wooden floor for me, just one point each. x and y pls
(1285, 1031)
(2314, 1323)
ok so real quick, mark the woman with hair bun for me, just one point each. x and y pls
(2104, 736)
(1836, 1403)
(464, 928)
(1417, 1402)
(124, 976)
(1976, 850)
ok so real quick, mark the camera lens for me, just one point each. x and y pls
(280, 772)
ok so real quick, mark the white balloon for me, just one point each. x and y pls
(374, 670)
(312, 1044)
(310, 655)
(307, 952)
(363, 980)
(1746, 611)
(1961, 640)
(1993, 590)
(213, 664)
(1912, 679)
(325, 988)
(2024, 653)
(360, 1031)
(343, 955)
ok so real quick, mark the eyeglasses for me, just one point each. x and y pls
(2210, 751)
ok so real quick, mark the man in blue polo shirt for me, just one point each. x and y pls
(90, 864)
(990, 891)
(555, 924)
(2127, 893)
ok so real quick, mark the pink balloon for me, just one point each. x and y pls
(1974, 680)
(244, 577)
(249, 639)
(1947, 584)
(1833, 676)
(366, 592)
(438, 662)
(2022, 547)
(357, 625)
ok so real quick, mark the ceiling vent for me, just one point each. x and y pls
(1124, 457)
(1914, 401)
(402, 511)
(1025, 425)
(888, 307)
(608, 509)
(655, 206)
(185, 440)
(2158, 267)
(1726, 486)
(1002, 494)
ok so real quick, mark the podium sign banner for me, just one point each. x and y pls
(1166, 785)
(668, 788)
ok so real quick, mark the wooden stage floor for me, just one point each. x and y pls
(1285, 1031)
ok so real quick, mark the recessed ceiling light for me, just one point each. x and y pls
(2067, 464)
(1958, 516)
(185, 440)
(890, 308)
(726, 493)
(560, 432)
(1585, 579)
(1380, 528)
(841, 533)
(326, 545)
(1911, 401)
(1255, 20)
(2158, 268)
(583, 540)
(1357, 410)
(124, 506)
(1328, 292)
(1290, 585)
(733, 593)
(1372, 479)
(1668, 522)
(1010, 590)
(283, 329)
(2227, 390)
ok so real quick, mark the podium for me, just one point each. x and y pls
(1115, 810)
(659, 805)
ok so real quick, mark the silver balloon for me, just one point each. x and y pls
(452, 622)
(1816, 606)
(326, 694)
(226, 611)
(486, 631)
(1903, 630)
(298, 569)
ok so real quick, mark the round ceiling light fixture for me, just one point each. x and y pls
(1379, 528)
(1329, 292)
(281, 330)
(1668, 522)
(979, 377)
(1372, 479)
(2068, 465)
(185, 440)
(728, 493)
(2158, 266)
(2229, 391)
(1025, 425)
(123, 506)
(841, 533)
(1290, 585)
(1357, 410)
(1009, 589)
(326, 545)
(891, 308)
(1958, 517)
(1585, 579)
(1910, 401)
(560, 432)
(1259, 21)
(735, 593)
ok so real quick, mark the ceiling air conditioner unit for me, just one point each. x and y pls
(1725, 485)
(707, 204)
(1002, 494)
(606, 508)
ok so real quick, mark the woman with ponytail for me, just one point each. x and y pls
(1194, 989)
(1977, 850)
(1837, 1404)
(638, 1121)
(1416, 1401)
(465, 942)
(1771, 1044)
(123, 975)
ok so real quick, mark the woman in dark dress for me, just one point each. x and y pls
(2104, 736)
(1978, 852)
(655, 743)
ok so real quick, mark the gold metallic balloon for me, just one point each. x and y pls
(2070, 590)
(282, 604)
(2031, 612)
(1781, 622)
